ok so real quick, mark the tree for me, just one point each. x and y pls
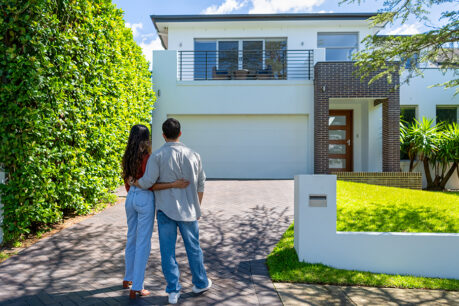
(433, 46)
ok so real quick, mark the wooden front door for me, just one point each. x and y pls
(340, 140)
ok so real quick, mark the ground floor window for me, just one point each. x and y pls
(447, 114)
(407, 116)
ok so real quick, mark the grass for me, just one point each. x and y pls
(370, 208)
(364, 207)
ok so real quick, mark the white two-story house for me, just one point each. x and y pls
(272, 96)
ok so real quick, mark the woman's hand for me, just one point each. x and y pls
(181, 183)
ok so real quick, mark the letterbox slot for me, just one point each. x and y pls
(318, 200)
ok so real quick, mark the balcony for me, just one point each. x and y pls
(245, 65)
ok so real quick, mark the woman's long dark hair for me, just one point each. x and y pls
(138, 146)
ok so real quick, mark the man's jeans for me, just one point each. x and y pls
(140, 213)
(167, 230)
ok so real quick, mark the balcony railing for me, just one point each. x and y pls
(245, 65)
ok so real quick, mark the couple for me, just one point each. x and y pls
(175, 174)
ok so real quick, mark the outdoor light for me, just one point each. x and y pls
(323, 88)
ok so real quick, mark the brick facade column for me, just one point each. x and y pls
(337, 80)
(391, 133)
(321, 111)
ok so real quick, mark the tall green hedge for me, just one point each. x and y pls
(73, 82)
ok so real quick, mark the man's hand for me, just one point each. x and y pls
(181, 183)
(133, 182)
(200, 196)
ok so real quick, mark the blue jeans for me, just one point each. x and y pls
(140, 213)
(167, 231)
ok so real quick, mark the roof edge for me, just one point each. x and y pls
(256, 17)
(250, 17)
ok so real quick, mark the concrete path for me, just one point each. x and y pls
(305, 294)
(84, 264)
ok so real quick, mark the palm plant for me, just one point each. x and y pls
(436, 146)
(448, 155)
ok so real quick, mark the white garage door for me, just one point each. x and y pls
(255, 146)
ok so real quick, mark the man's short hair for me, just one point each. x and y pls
(171, 128)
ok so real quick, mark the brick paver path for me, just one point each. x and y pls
(84, 264)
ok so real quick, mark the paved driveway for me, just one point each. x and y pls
(83, 264)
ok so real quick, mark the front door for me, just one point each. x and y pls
(340, 140)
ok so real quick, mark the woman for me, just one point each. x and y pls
(140, 209)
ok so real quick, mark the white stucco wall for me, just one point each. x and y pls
(299, 34)
(417, 93)
(317, 241)
(227, 97)
(453, 182)
(286, 97)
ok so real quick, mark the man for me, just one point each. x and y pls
(177, 208)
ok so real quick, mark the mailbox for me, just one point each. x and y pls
(317, 200)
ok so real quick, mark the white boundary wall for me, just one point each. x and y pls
(2, 181)
(317, 241)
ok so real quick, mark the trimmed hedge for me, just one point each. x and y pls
(72, 83)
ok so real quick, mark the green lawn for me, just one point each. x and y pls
(371, 208)
(363, 207)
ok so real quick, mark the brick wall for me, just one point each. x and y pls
(411, 180)
(338, 80)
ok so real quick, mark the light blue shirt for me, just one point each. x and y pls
(169, 163)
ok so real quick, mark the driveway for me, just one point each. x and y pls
(84, 264)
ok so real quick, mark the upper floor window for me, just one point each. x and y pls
(338, 46)
(240, 58)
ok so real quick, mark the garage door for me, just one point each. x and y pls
(236, 146)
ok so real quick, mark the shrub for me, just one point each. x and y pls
(432, 145)
(72, 82)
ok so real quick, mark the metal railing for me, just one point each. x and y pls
(245, 65)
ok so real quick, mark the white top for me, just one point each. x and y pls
(169, 163)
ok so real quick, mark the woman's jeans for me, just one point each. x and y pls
(140, 213)
(167, 230)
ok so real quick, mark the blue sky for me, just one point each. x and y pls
(137, 12)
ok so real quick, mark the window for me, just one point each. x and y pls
(225, 58)
(447, 114)
(407, 114)
(205, 59)
(275, 57)
(338, 46)
(228, 55)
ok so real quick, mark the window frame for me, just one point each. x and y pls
(338, 33)
(240, 45)
(416, 116)
(447, 107)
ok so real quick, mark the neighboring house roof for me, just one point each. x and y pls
(166, 19)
